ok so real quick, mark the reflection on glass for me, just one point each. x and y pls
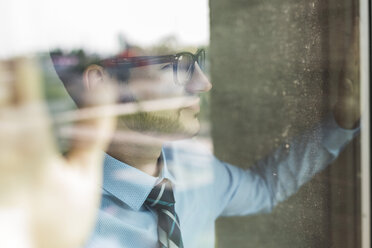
(118, 141)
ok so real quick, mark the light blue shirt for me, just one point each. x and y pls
(206, 188)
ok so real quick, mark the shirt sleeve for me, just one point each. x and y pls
(278, 176)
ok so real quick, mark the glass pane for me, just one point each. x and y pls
(257, 147)
(286, 63)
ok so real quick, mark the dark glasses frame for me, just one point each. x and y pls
(174, 59)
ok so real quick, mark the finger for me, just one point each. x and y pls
(26, 141)
(5, 85)
(350, 70)
(352, 56)
(91, 136)
(28, 108)
(27, 87)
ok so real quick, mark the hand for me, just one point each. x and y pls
(347, 108)
(46, 200)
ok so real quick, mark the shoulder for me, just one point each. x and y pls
(188, 146)
(190, 162)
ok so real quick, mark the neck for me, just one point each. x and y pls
(137, 150)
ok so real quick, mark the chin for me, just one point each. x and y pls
(192, 129)
(185, 131)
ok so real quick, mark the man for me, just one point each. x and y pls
(141, 165)
(63, 191)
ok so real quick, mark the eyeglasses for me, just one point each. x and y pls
(183, 63)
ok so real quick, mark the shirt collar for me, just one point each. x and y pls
(165, 173)
(129, 184)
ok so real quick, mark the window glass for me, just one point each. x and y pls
(249, 109)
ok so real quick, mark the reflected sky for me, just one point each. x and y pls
(27, 26)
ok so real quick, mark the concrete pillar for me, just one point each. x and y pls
(274, 72)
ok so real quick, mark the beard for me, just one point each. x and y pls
(164, 123)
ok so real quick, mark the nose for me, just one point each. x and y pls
(199, 82)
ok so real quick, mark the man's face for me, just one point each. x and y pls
(169, 109)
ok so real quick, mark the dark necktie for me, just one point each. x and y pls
(161, 199)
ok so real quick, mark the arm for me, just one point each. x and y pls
(280, 175)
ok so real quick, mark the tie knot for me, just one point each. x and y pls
(161, 196)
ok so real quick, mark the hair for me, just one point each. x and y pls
(70, 67)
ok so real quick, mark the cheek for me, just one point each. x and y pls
(150, 90)
(166, 87)
(159, 84)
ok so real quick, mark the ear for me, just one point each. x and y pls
(93, 76)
